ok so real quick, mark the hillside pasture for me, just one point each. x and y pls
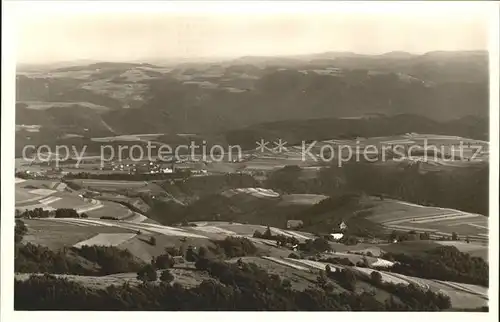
(59, 233)
(473, 249)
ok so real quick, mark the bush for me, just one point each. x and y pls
(66, 213)
(112, 260)
(147, 274)
(257, 234)
(166, 276)
(173, 251)
(30, 258)
(108, 218)
(202, 264)
(152, 241)
(163, 261)
(237, 247)
(19, 231)
(345, 278)
(293, 255)
(349, 240)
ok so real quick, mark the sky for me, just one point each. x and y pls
(119, 31)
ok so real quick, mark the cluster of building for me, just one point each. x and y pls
(143, 168)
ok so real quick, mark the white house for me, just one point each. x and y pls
(337, 236)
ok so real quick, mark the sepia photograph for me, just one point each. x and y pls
(250, 156)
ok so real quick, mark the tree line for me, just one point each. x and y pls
(445, 263)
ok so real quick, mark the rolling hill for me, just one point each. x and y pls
(214, 97)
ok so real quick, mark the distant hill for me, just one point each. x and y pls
(296, 131)
(216, 97)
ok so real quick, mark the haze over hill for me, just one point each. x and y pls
(106, 98)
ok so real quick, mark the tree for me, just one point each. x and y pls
(20, 231)
(191, 256)
(257, 234)
(321, 279)
(173, 251)
(393, 236)
(202, 264)
(163, 261)
(286, 283)
(147, 274)
(267, 234)
(166, 276)
(347, 279)
(328, 270)
(202, 252)
(454, 236)
(84, 215)
(376, 278)
(425, 236)
(152, 240)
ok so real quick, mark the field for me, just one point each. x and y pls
(301, 199)
(51, 195)
(404, 216)
(111, 185)
(105, 240)
(254, 192)
(134, 236)
(131, 137)
(463, 296)
(452, 151)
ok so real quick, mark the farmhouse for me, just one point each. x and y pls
(337, 236)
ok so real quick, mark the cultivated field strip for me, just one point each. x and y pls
(388, 278)
(445, 217)
(288, 233)
(49, 200)
(256, 192)
(94, 205)
(382, 263)
(409, 279)
(135, 217)
(468, 288)
(314, 264)
(286, 263)
(216, 230)
(68, 222)
(164, 230)
(43, 192)
(105, 240)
